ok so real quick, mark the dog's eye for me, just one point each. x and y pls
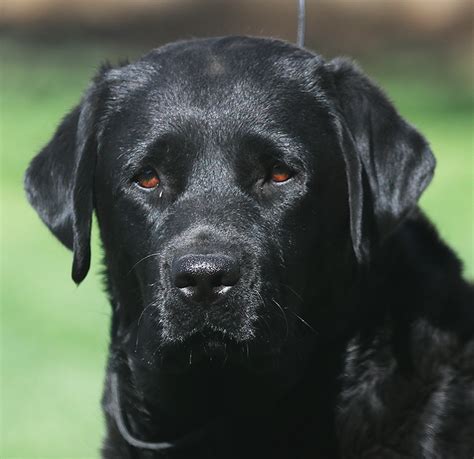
(147, 178)
(280, 173)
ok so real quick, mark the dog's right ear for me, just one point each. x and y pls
(59, 180)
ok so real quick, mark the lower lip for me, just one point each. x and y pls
(215, 348)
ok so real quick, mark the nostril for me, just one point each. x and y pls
(229, 276)
(205, 277)
(183, 279)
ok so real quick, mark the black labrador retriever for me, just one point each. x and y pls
(276, 292)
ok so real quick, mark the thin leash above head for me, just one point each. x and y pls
(301, 23)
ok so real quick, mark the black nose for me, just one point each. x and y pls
(205, 278)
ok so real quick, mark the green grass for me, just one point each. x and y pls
(54, 335)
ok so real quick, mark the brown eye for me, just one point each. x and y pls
(280, 173)
(147, 178)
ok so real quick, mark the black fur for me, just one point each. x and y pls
(350, 330)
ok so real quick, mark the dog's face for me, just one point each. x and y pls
(206, 188)
(238, 184)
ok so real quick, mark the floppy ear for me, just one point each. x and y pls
(388, 163)
(59, 181)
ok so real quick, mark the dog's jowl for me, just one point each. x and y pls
(275, 290)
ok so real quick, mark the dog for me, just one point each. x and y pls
(276, 292)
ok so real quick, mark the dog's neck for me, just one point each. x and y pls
(146, 409)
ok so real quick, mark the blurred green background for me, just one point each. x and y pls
(54, 335)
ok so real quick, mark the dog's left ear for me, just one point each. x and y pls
(59, 181)
(388, 162)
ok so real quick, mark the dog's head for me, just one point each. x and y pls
(238, 183)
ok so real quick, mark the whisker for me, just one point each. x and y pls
(302, 320)
(138, 323)
(263, 318)
(261, 299)
(142, 259)
(284, 316)
(293, 291)
(295, 313)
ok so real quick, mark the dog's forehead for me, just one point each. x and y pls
(232, 56)
(215, 89)
(236, 73)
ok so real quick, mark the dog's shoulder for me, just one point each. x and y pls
(386, 411)
(408, 383)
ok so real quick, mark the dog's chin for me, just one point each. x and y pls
(217, 351)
